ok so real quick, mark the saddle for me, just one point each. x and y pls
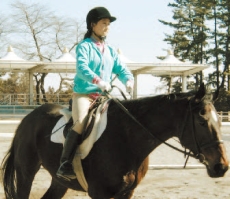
(90, 117)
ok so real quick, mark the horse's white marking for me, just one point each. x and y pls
(213, 119)
(129, 178)
(55, 111)
(214, 115)
(125, 179)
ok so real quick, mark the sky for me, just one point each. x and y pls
(136, 32)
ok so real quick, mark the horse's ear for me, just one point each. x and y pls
(200, 93)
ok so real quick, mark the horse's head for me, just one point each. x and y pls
(202, 134)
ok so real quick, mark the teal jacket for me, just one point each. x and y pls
(91, 65)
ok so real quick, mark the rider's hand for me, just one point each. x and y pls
(129, 86)
(104, 86)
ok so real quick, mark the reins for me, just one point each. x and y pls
(193, 135)
(144, 128)
(188, 154)
(58, 129)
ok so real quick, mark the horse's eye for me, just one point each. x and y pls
(202, 112)
(202, 123)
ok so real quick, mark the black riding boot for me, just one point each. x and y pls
(70, 146)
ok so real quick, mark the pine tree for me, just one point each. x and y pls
(214, 50)
(189, 38)
(224, 26)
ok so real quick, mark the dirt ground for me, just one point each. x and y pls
(165, 179)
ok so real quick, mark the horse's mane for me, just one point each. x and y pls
(144, 104)
(159, 98)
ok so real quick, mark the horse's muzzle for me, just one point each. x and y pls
(218, 170)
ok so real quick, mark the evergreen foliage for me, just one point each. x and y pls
(201, 34)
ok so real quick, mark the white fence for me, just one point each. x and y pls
(13, 103)
(224, 116)
(26, 99)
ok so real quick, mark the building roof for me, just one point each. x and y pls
(11, 56)
(65, 57)
(66, 63)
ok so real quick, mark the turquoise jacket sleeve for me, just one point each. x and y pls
(82, 66)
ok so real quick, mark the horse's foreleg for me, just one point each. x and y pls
(55, 191)
(140, 174)
(127, 195)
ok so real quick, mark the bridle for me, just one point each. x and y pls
(198, 148)
(197, 154)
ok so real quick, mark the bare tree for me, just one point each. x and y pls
(64, 83)
(41, 35)
(4, 29)
(68, 33)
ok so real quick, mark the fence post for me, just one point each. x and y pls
(221, 116)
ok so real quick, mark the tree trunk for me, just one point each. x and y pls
(42, 88)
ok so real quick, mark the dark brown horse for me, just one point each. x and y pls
(119, 159)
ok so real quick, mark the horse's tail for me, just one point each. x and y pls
(8, 174)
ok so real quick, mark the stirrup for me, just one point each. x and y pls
(63, 177)
(65, 172)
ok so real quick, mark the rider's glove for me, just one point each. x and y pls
(129, 86)
(104, 86)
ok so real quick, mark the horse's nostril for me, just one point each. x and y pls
(220, 168)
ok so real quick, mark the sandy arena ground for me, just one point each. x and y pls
(165, 180)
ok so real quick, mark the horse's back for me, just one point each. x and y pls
(41, 113)
(34, 130)
(43, 117)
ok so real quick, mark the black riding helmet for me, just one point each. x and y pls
(97, 14)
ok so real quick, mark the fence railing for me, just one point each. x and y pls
(224, 116)
(27, 99)
(5, 99)
(16, 102)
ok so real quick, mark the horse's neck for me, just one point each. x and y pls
(161, 118)
(157, 121)
(155, 125)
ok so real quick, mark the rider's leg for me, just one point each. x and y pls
(80, 108)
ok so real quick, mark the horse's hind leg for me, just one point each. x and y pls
(55, 191)
(24, 181)
(27, 164)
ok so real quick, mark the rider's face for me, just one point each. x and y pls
(101, 28)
